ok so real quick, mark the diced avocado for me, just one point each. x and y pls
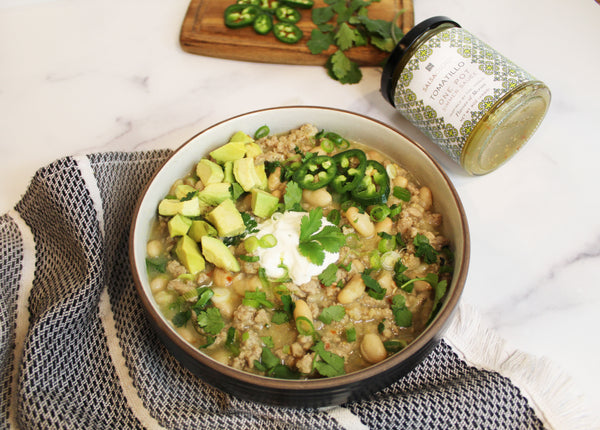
(213, 194)
(201, 228)
(229, 152)
(253, 150)
(240, 136)
(182, 191)
(226, 219)
(169, 207)
(209, 172)
(189, 254)
(263, 203)
(193, 207)
(228, 172)
(215, 251)
(262, 176)
(179, 225)
(245, 173)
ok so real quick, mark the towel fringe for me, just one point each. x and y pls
(552, 394)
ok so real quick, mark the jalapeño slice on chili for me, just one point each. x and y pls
(374, 188)
(302, 4)
(287, 32)
(287, 14)
(263, 23)
(315, 172)
(240, 15)
(351, 165)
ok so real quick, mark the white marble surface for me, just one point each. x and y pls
(101, 75)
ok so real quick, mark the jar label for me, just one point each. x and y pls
(449, 84)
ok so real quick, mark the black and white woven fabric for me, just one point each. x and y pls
(77, 351)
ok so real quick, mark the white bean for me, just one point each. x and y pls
(154, 248)
(360, 221)
(158, 284)
(223, 300)
(372, 348)
(425, 198)
(353, 289)
(384, 225)
(320, 197)
(274, 179)
(221, 277)
(301, 309)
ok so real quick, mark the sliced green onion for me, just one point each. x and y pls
(375, 260)
(262, 132)
(304, 326)
(389, 259)
(386, 243)
(249, 258)
(401, 193)
(379, 213)
(352, 240)
(334, 216)
(251, 244)
(268, 241)
(395, 210)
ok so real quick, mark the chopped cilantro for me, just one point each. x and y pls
(314, 242)
(211, 321)
(256, 299)
(373, 288)
(181, 318)
(351, 334)
(394, 346)
(268, 341)
(402, 315)
(231, 342)
(424, 249)
(329, 275)
(280, 317)
(332, 313)
(156, 264)
(292, 197)
(330, 364)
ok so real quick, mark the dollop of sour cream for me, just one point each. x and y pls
(285, 254)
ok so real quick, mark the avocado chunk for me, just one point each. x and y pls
(240, 136)
(262, 176)
(182, 191)
(189, 255)
(179, 225)
(169, 207)
(263, 203)
(245, 173)
(229, 152)
(201, 228)
(253, 150)
(193, 207)
(215, 251)
(213, 194)
(209, 172)
(228, 172)
(226, 219)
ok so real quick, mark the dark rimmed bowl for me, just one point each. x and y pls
(318, 392)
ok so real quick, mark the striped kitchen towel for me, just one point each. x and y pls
(77, 351)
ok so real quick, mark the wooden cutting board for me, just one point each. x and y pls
(203, 32)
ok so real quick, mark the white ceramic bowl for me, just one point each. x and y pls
(319, 392)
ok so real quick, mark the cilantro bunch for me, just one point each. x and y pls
(345, 24)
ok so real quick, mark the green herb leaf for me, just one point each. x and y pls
(402, 315)
(313, 242)
(373, 288)
(322, 15)
(424, 249)
(268, 359)
(292, 197)
(344, 37)
(351, 334)
(211, 321)
(329, 275)
(310, 224)
(330, 364)
(156, 264)
(320, 41)
(181, 318)
(280, 317)
(332, 313)
(256, 299)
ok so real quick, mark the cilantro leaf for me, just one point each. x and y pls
(342, 69)
(424, 249)
(402, 315)
(181, 318)
(332, 313)
(310, 224)
(330, 237)
(292, 197)
(344, 37)
(319, 41)
(313, 243)
(330, 364)
(373, 288)
(211, 321)
(329, 275)
(322, 15)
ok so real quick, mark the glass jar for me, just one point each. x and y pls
(470, 100)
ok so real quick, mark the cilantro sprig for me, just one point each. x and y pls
(345, 24)
(314, 240)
